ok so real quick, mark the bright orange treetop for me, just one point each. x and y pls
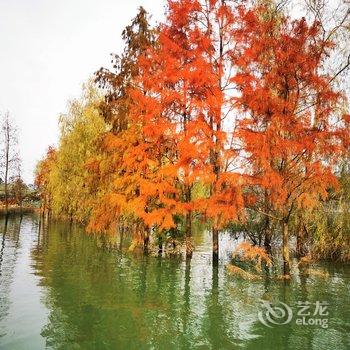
(293, 132)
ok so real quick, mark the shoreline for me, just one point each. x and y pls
(18, 210)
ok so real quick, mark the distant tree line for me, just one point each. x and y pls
(13, 190)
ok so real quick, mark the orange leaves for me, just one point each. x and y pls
(174, 138)
(346, 118)
(288, 129)
(168, 145)
(160, 218)
(226, 202)
(180, 10)
(191, 96)
(43, 172)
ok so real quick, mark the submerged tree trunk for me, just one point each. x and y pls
(285, 249)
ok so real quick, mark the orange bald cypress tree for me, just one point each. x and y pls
(163, 112)
(114, 173)
(216, 20)
(187, 79)
(292, 131)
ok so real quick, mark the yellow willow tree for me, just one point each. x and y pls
(293, 132)
(81, 131)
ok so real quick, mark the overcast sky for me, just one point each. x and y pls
(48, 48)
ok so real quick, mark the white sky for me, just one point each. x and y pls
(48, 48)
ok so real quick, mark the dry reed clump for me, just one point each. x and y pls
(318, 273)
(250, 254)
(305, 261)
(235, 270)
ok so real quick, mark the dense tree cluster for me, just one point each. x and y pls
(224, 113)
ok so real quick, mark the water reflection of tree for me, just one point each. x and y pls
(217, 326)
(97, 297)
(105, 299)
(11, 227)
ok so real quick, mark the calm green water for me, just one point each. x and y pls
(62, 289)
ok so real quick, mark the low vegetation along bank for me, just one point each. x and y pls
(224, 115)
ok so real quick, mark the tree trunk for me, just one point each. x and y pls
(285, 249)
(188, 235)
(301, 248)
(267, 242)
(146, 235)
(7, 153)
(121, 236)
(215, 246)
